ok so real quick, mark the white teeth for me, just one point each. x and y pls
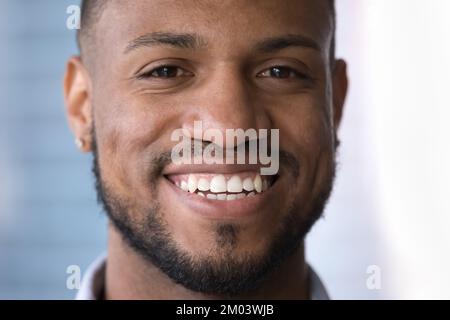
(192, 183)
(184, 186)
(231, 197)
(248, 184)
(222, 196)
(234, 184)
(218, 184)
(203, 184)
(258, 183)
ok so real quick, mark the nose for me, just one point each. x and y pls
(225, 101)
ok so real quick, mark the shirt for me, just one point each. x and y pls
(93, 283)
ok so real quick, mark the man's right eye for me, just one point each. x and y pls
(165, 72)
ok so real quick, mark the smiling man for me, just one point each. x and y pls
(192, 231)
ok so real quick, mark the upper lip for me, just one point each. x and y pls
(212, 168)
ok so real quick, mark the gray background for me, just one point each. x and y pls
(48, 213)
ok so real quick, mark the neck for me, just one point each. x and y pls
(131, 277)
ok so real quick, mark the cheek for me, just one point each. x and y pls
(305, 131)
(305, 127)
(129, 135)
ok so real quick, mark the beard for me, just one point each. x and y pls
(223, 273)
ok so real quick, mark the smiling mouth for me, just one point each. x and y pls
(223, 187)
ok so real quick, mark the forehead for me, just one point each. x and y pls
(225, 24)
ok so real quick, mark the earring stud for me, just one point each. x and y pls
(79, 143)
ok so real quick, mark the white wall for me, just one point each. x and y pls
(391, 205)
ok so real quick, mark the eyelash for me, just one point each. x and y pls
(291, 71)
(149, 74)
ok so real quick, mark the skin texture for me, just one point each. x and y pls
(129, 121)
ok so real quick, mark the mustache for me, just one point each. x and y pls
(157, 163)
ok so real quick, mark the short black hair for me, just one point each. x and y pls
(90, 12)
(92, 9)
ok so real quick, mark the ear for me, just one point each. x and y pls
(340, 86)
(77, 97)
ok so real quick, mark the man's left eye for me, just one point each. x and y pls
(281, 73)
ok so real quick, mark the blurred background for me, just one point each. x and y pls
(389, 216)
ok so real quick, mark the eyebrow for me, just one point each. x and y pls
(178, 40)
(274, 44)
(194, 41)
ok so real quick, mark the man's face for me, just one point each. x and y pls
(245, 64)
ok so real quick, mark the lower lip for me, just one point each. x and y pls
(222, 209)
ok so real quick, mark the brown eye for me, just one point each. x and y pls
(165, 72)
(279, 72)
